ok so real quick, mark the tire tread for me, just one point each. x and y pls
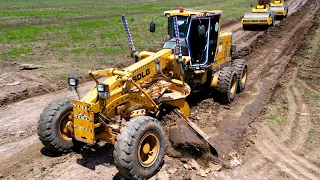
(124, 146)
(47, 126)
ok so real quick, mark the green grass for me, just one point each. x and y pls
(20, 51)
(232, 9)
(274, 118)
(90, 31)
(314, 96)
(314, 136)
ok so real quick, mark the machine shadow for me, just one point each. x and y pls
(195, 98)
(256, 28)
(118, 176)
(95, 155)
(44, 151)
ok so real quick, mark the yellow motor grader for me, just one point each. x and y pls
(279, 8)
(124, 109)
(261, 15)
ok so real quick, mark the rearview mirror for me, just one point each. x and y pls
(152, 27)
(201, 30)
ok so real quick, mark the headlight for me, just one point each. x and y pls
(103, 91)
(73, 81)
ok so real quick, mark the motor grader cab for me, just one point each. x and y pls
(199, 37)
(203, 44)
(124, 109)
(280, 9)
(261, 15)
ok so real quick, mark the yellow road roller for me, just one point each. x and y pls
(261, 15)
(279, 8)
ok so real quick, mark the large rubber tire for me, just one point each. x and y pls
(241, 68)
(49, 126)
(227, 85)
(287, 8)
(126, 149)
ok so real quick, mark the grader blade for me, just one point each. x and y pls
(199, 132)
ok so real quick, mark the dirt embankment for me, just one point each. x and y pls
(268, 57)
(18, 83)
(283, 143)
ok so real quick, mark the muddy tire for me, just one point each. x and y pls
(241, 68)
(227, 85)
(50, 124)
(140, 148)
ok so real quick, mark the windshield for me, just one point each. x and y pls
(183, 26)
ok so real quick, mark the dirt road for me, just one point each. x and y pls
(282, 143)
(269, 53)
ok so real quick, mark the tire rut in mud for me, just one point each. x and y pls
(268, 56)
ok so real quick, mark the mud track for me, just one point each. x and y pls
(268, 56)
(22, 156)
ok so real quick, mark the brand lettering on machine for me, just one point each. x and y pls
(141, 75)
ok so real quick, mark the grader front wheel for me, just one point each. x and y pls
(227, 85)
(139, 148)
(54, 126)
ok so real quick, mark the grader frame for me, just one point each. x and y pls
(123, 109)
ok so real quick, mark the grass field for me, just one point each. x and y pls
(77, 35)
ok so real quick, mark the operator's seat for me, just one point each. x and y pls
(197, 41)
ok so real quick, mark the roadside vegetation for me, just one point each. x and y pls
(296, 102)
(72, 37)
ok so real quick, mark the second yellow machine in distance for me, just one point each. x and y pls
(280, 9)
(261, 15)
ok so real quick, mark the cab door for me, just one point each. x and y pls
(213, 40)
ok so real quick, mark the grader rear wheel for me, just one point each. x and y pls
(241, 68)
(227, 85)
(139, 148)
(54, 127)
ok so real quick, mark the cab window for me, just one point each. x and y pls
(183, 26)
